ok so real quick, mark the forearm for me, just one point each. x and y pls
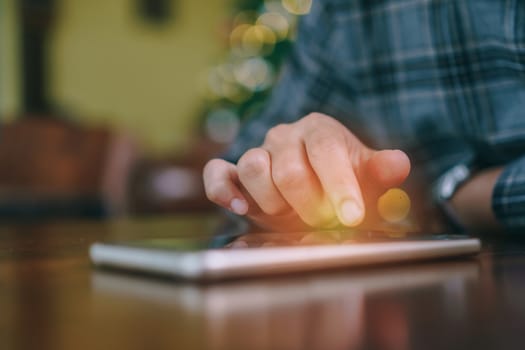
(473, 201)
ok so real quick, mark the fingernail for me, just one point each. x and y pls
(351, 214)
(239, 206)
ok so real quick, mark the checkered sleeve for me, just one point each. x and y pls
(294, 94)
(508, 199)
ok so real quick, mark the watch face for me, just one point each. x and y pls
(449, 182)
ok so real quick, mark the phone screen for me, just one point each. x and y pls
(262, 240)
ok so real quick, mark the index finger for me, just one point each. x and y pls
(330, 159)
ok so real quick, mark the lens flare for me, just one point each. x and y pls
(394, 205)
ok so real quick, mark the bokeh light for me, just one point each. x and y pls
(218, 79)
(297, 7)
(223, 85)
(258, 40)
(394, 205)
(276, 22)
(236, 37)
(245, 17)
(255, 74)
(251, 40)
(222, 125)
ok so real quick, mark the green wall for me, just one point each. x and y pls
(108, 67)
(9, 77)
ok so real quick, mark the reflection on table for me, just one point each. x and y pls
(52, 298)
(321, 311)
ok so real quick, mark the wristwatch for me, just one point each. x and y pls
(446, 186)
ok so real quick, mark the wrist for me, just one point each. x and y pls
(472, 202)
(444, 190)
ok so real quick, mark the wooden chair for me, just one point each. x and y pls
(50, 168)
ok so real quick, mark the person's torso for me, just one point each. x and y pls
(443, 79)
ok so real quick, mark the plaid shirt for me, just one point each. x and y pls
(443, 80)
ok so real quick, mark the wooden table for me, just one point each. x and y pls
(51, 298)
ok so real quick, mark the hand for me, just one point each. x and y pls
(311, 173)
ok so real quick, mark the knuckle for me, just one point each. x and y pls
(253, 163)
(323, 143)
(322, 126)
(211, 167)
(315, 119)
(277, 134)
(216, 193)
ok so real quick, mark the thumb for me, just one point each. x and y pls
(388, 168)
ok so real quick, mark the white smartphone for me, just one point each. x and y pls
(225, 256)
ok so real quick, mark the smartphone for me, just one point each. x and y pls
(219, 257)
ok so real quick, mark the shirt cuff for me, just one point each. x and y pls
(508, 197)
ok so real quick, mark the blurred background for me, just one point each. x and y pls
(111, 108)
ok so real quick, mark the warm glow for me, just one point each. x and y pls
(394, 205)
(222, 84)
(250, 40)
(276, 22)
(237, 35)
(297, 7)
(258, 39)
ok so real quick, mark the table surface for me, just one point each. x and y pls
(52, 298)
